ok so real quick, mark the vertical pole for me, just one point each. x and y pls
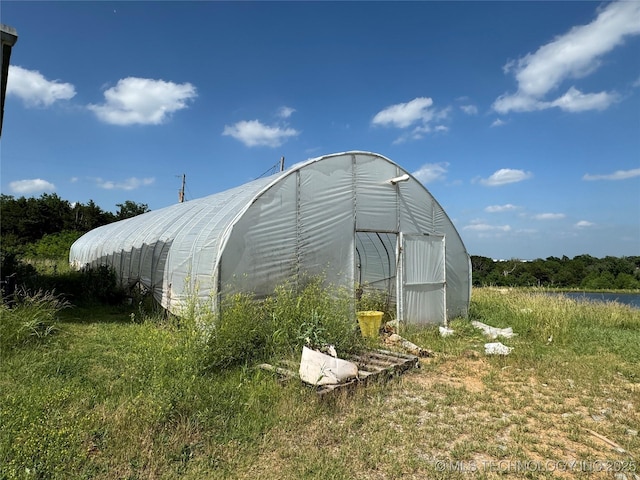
(282, 164)
(181, 192)
(399, 281)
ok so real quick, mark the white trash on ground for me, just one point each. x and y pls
(497, 348)
(412, 348)
(493, 332)
(446, 331)
(317, 368)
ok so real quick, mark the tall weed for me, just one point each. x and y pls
(245, 330)
(371, 298)
(29, 317)
(312, 314)
(542, 321)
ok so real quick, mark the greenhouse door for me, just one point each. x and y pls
(422, 284)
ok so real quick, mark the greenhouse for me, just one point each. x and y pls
(357, 219)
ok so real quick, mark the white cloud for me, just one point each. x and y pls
(31, 186)
(485, 227)
(128, 184)
(505, 176)
(253, 133)
(34, 89)
(500, 208)
(469, 109)
(617, 175)
(285, 112)
(419, 132)
(576, 101)
(430, 172)
(498, 123)
(143, 101)
(571, 56)
(417, 113)
(403, 115)
(549, 216)
(584, 224)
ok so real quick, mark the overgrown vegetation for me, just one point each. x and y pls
(247, 331)
(120, 393)
(369, 298)
(89, 286)
(26, 318)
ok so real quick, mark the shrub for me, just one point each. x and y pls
(14, 272)
(29, 318)
(246, 330)
(53, 245)
(239, 333)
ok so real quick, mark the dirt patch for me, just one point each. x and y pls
(525, 417)
(465, 372)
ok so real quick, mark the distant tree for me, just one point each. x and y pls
(583, 271)
(53, 245)
(481, 267)
(130, 209)
(90, 216)
(526, 280)
(625, 281)
(28, 219)
(540, 270)
(599, 281)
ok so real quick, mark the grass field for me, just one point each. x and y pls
(113, 394)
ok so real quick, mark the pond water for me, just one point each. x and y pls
(632, 299)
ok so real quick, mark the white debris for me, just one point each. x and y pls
(395, 339)
(497, 348)
(493, 332)
(446, 331)
(318, 368)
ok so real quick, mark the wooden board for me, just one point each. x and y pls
(378, 365)
(372, 365)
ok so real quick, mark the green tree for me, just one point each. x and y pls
(53, 245)
(599, 281)
(28, 219)
(130, 209)
(481, 267)
(90, 216)
(626, 281)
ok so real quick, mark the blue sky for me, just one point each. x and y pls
(521, 118)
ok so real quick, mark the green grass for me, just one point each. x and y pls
(111, 395)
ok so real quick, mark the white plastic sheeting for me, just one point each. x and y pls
(336, 216)
(423, 280)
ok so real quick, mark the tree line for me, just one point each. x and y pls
(38, 226)
(583, 272)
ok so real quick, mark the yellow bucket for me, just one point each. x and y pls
(369, 321)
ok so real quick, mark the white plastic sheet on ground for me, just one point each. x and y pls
(317, 368)
(493, 332)
(446, 331)
(497, 348)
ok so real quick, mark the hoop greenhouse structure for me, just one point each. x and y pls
(355, 218)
